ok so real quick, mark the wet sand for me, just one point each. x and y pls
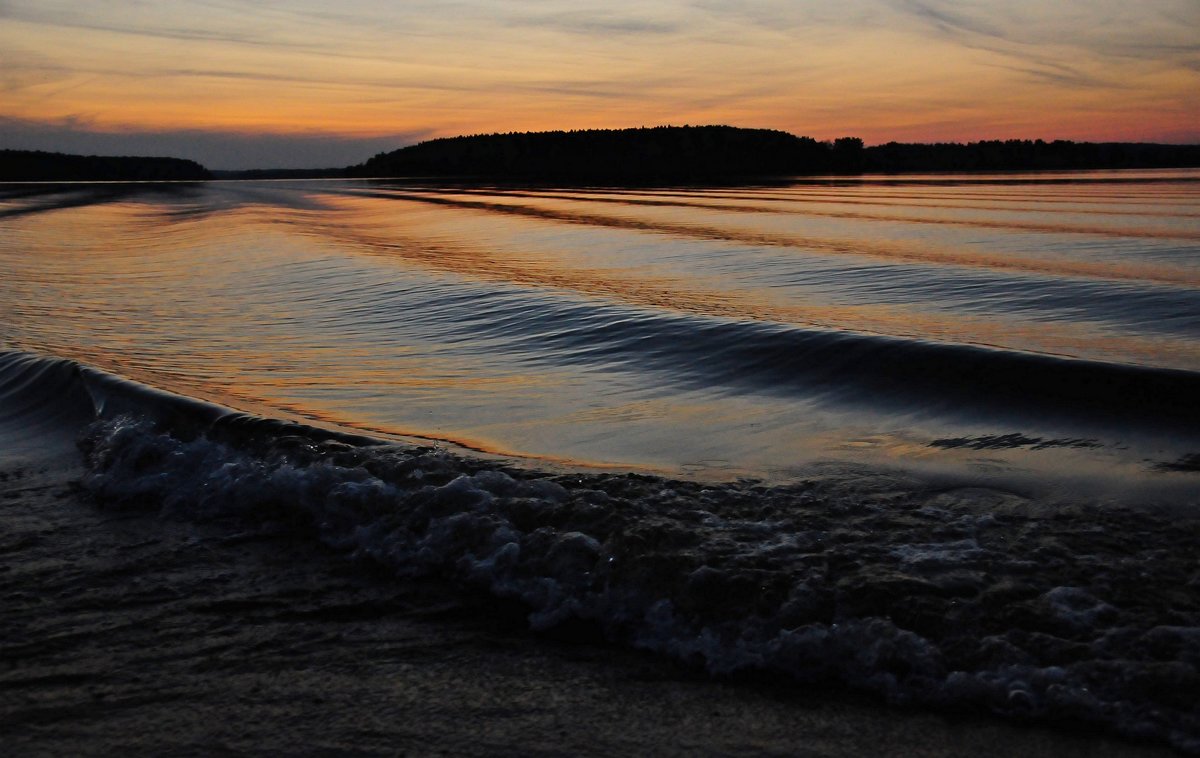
(125, 633)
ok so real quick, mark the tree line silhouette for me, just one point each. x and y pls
(656, 154)
(38, 166)
(1027, 155)
(679, 153)
(698, 153)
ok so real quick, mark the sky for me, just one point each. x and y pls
(313, 83)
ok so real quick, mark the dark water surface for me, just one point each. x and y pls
(934, 438)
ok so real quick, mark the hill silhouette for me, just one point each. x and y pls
(679, 153)
(38, 166)
(723, 153)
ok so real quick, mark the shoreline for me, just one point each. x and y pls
(129, 632)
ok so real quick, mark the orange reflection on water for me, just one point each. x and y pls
(924, 252)
(351, 304)
(382, 229)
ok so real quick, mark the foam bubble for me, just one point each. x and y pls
(1071, 616)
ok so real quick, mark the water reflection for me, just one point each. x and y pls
(722, 330)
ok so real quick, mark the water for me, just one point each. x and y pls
(932, 437)
(715, 332)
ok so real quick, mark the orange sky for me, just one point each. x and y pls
(235, 84)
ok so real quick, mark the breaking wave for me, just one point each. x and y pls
(921, 592)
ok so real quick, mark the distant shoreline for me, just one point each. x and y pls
(723, 153)
(696, 154)
(38, 165)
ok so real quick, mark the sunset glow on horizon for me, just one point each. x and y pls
(301, 83)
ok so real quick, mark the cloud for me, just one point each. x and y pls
(1070, 44)
(360, 66)
(265, 28)
(788, 15)
(952, 21)
(1060, 75)
(82, 21)
(598, 23)
(214, 149)
(1098, 27)
(599, 88)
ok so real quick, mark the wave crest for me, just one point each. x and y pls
(924, 594)
(956, 599)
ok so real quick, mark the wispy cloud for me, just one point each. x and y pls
(1067, 43)
(784, 15)
(823, 67)
(1098, 27)
(1059, 75)
(951, 19)
(591, 22)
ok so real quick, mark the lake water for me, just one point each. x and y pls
(707, 332)
(936, 436)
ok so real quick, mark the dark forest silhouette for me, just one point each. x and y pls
(1027, 155)
(699, 153)
(664, 152)
(38, 166)
(656, 154)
